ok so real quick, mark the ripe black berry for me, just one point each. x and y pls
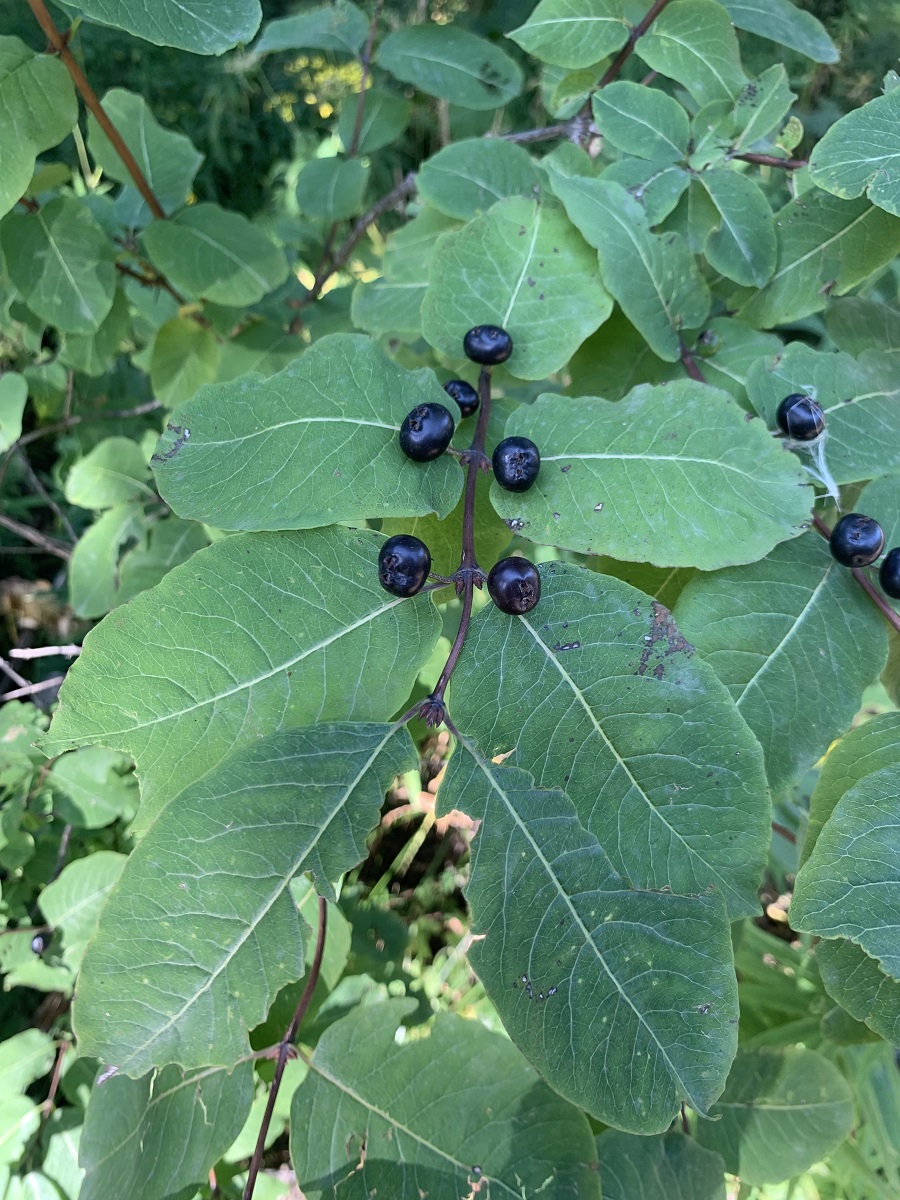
(800, 417)
(516, 461)
(856, 540)
(514, 585)
(403, 565)
(426, 432)
(464, 395)
(488, 345)
(889, 575)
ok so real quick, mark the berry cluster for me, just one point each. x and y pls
(856, 540)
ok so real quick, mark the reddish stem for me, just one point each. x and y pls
(772, 160)
(628, 49)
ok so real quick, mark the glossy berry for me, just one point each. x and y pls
(426, 432)
(488, 345)
(800, 417)
(856, 541)
(464, 395)
(38, 945)
(889, 575)
(516, 461)
(514, 585)
(403, 565)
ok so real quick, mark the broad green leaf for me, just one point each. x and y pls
(522, 266)
(860, 399)
(452, 64)
(93, 787)
(599, 693)
(783, 22)
(498, 1129)
(114, 472)
(857, 983)
(672, 1167)
(93, 571)
(826, 246)
(24, 1057)
(782, 1111)
(216, 255)
(340, 26)
(314, 444)
(642, 121)
(385, 116)
(694, 43)
(850, 884)
(191, 25)
(657, 185)
(742, 246)
(570, 34)
(653, 276)
(13, 396)
(389, 305)
(72, 902)
(664, 584)
(467, 177)
(63, 264)
(152, 1137)
(761, 108)
(861, 153)
(181, 967)
(674, 475)
(168, 543)
(251, 634)
(185, 356)
(408, 250)
(61, 1158)
(728, 350)
(856, 324)
(19, 1120)
(266, 349)
(332, 188)
(38, 109)
(169, 160)
(624, 1001)
(614, 360)
(864, 750)
(564, 92)
(93, 353)
(796, 642)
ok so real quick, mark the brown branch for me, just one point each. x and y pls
(890, 615)
(564, 129)
(628, 49)
(689, 362)
(152, 280)
(785, 833)
(37, 539)
(366, 62)
(285, 1050)
(772, 160)
(115, 414)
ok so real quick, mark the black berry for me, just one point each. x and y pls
(464, 395)
(488, 345)
(889, 575)
(426, 432)
(856, 541)
(514, 585)
(516, 461)
(403, 565)
(800, 417)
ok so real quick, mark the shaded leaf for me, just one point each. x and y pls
(861, 153)
(93, 787)
(188, 24)
(114, 472)
(672, 1167)
(783, 22)
(389, 305)
(573, 35)
(332, 187)
(385, 116)
(761, 108)
(855, 324)
(169, 542)
(452, 64)
(24, 1057)
(263, 348)
(642, 121)
(467, 177)
(694, 43)
(72, 902)
(93, 570)
(93, 353)
(857, 983)
(19, 1119)
(340, 26)
(742, 246)
(735, 348)
(61, 1159)
(13, 396)
(185, 356)
(657, 185)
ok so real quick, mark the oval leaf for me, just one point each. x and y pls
(188, 24)
(672, 1167)
(452, 64)
(859, 985)
(467, 177)
(573, 35)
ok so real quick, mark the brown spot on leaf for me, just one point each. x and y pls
(664, 638)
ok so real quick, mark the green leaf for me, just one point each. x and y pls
(861, 153)
(672, 1167)
(266, 349)
(182, 967)
(735, 348)
(93, 787)
(63, 264)
(24, 1057)
(856, 324)
(781, 21)
(614, 360)
(114, 472)
(742, 247)
(389, 305)
(782, 1111)
(642, 121)
(187, 24)
(72, 902)
(313, 445)
(169, 160)
(452, 64)
(761, 107)
(93, 353)
(535, 276)
(340, 26)
(13, 396)
(38, 109)
(93, 571)
(467, 177)
(151, 1137)
(855, 981)
(796, 642)
(270, 630)
(572, 958)
(655, 184)
(19, 1120)
(850, 884)
(385, 116)
(217, 255)
(573, 35)
(653, 276)
(826, 246)
(185, 356)
(694, 43)
(599, 693)
(673, 475)
(332, 188)
(863, 750)
(169, 543)
(61, 1159)
(498, 1128)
